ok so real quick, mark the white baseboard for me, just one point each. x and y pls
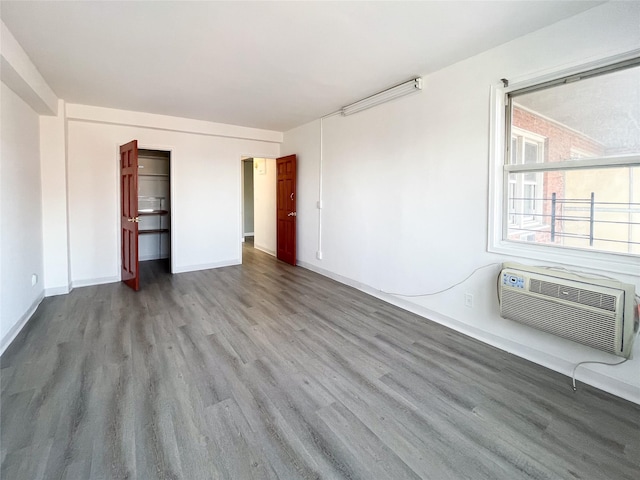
(53, 291)
(15, 330)
(249, 234)
(93, 281)
(265, 250)
(206, 266)
(552, 362)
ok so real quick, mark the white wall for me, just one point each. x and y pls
(264, 207)
(405, 191)
(21, 213)
(53, 165)
(205, 183)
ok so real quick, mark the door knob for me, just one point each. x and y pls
(292, 214)
(134, 220)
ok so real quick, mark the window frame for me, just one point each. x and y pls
(498, 175)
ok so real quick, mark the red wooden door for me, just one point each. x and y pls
(286, 208)
(129, 213)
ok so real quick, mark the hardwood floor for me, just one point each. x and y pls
(269, 371)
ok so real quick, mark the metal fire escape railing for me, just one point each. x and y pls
(578, 205)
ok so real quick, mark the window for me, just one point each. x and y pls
(571, 171)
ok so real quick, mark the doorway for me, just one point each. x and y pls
(261, 182)
(271, 185)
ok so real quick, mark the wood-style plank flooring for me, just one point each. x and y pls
(265, 371)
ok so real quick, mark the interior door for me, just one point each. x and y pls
(286, 208)
(129, 213)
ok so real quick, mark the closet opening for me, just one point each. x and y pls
(154, 212)
(248, 229)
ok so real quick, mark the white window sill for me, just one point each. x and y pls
(525, 227)
(606, 263)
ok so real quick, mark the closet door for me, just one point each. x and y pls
(129, 213)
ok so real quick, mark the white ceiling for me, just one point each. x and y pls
(272, 65)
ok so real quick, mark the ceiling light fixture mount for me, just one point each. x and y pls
(406, 88)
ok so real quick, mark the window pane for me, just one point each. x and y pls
(611, 222)
(530, 156)
(529, 199)
(595, 117)
(530, 152)
(512, 202)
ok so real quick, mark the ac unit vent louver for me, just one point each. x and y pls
(576, 295)
(600, 313)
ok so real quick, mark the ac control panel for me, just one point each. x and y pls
(511, 280)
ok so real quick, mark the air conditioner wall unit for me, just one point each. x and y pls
(597, 312)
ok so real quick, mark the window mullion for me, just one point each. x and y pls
(579, 164)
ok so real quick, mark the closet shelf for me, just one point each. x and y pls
(142, 213)
(154, 230)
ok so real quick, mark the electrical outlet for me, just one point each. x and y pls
(468, 300)
(319, 255)
(34, 280)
